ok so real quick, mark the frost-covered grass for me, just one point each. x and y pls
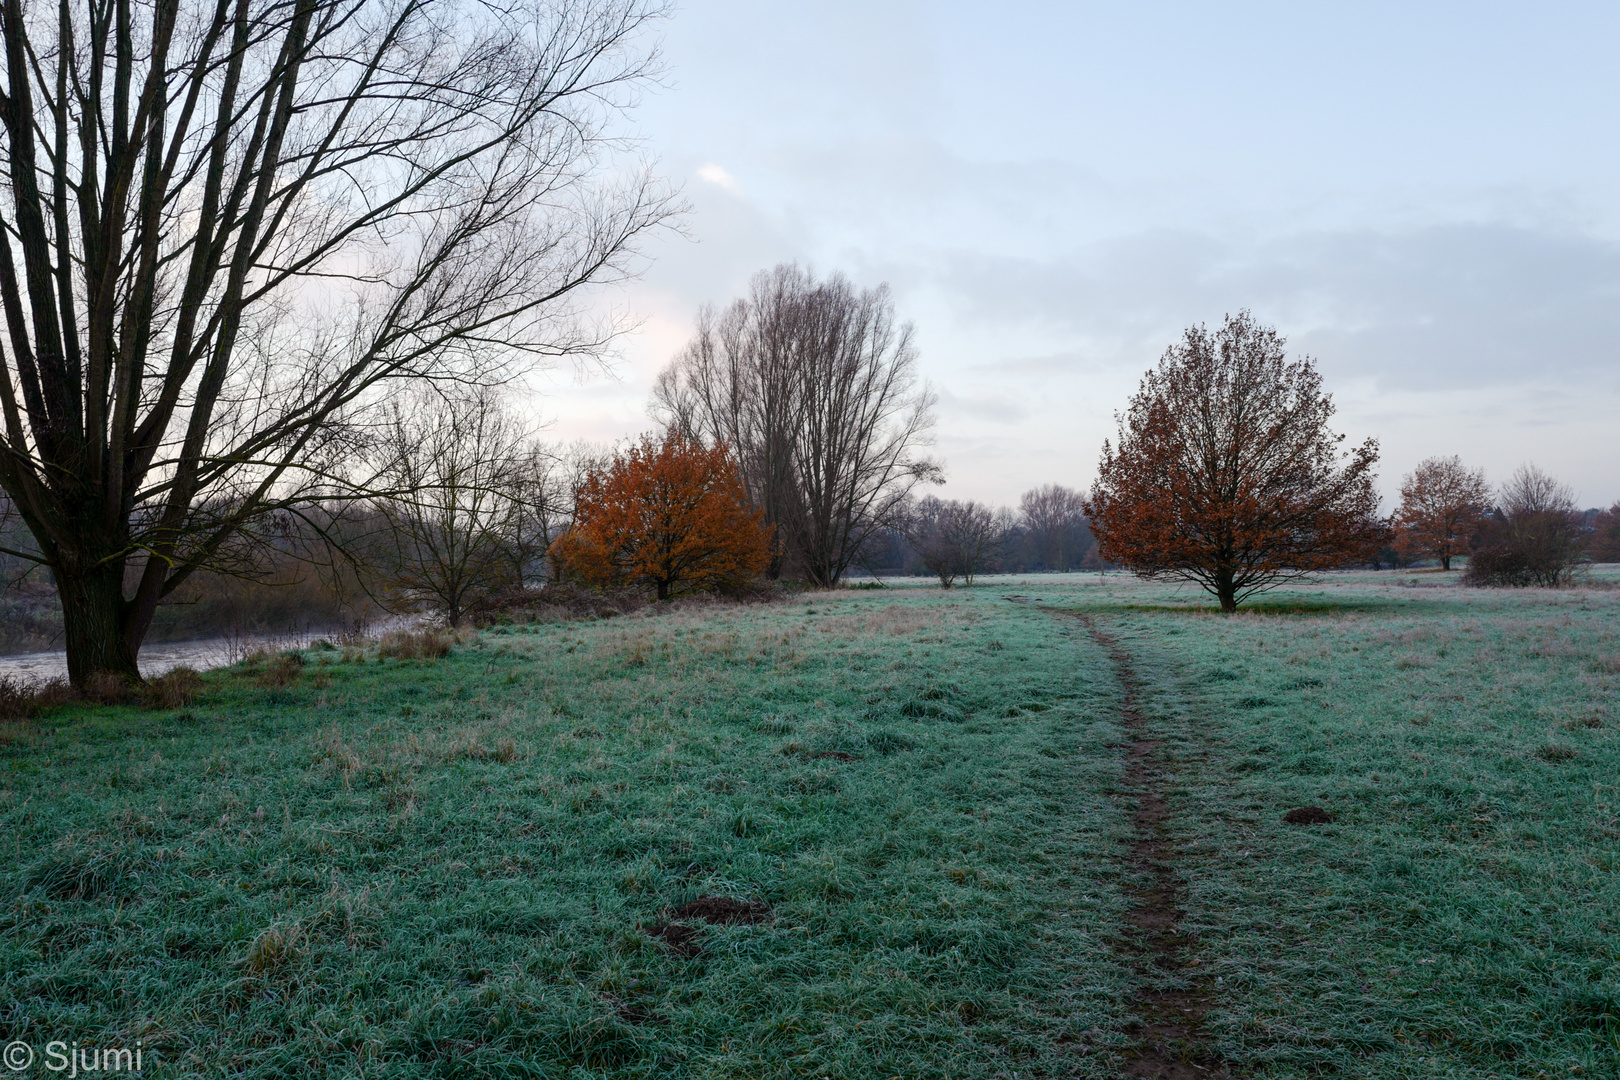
(437, 868)
(444, 868)
(1461, 917)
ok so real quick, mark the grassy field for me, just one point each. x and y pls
(1461, 916)
(856, 834)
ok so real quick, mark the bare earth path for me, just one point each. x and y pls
(1171, 1042)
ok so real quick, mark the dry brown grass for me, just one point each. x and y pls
(105, 688)
(429, 644)
(468, 747)
(282, 671)
(273, 949)
(174, 689)
(894, 620)
(340, 754)
(1590, 721)
(23, 700)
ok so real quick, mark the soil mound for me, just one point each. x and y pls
(1308, 815)
(686, 940)
(723, 909)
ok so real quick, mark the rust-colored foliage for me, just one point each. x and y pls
(1605, 545)
(1443, 503)
(1226, 473)
(669, 515)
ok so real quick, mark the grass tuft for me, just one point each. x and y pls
(174, 689)
(273, 950)
(429, 644)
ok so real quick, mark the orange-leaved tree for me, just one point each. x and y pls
(1226, 473)
(1443, 503)
(667, 514)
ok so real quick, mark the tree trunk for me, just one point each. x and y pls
(1445, 562)
(98, 627)
(1226, 593)
(663, 590)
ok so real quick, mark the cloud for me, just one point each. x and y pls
(1493, 335)
(983, 403)
(714, 174)
(1461, 303)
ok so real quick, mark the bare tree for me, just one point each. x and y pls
(954, 539)
(231, 224)
(453, 521)
(737, 383)
(1531, 491)
(1053, 518)
(922, 529)
(814, 386)
(1533, 538)
(544, 481)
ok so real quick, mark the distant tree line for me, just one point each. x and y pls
(952, 540)
(1528, 533)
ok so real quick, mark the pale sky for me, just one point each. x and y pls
(1424, 197)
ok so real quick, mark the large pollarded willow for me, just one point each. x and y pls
(230, 225)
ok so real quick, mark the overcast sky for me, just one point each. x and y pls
(1424, 197)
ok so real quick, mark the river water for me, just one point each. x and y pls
(157, 657)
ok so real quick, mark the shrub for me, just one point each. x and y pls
(1533, 538)
(558, 601)
(670, 516)
(1499, 565)
(22, 700)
